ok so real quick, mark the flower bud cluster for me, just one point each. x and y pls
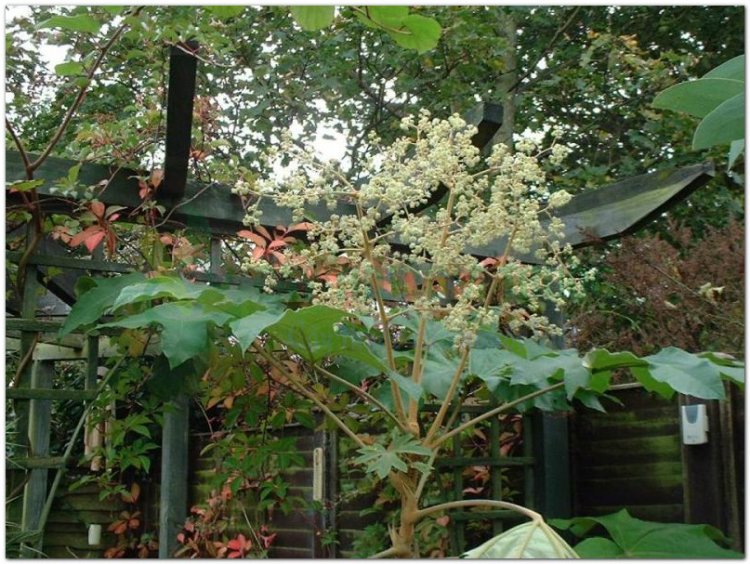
(503, 203)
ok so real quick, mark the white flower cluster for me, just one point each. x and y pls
(504, 204)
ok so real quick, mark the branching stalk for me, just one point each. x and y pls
(422, 513)
(499, 409)
(359, 391)
(300, 388)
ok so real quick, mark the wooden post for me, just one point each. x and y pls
(703, 470)
(552, 452)
(35, 492)
(496, 478)
(174, 474)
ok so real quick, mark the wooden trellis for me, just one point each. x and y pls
(601, 214)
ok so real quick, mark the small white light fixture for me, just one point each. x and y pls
(318, 462)
(95, 534)
(694, 424)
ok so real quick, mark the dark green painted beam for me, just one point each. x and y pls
(180, 97)
(604, 213)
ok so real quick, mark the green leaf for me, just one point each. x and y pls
(736, 148)
(574, 374)
(698, 97)
(383, 16)
(141, 430)
(313, 18)
(731, 368)
(166, 383)
(598, 547)
(733, 69)
(242, 301)
(95, 300)
(311, 333)
(646, 539)
(380, 461)
(412, 389)
(438, 371)
(225, 12)
(159, 287)
(489, 364)
(184, 328)
(81, 22)
(723, 125)
(352, 371)
(643, 375)
(24, 185)
(304, 419)
(69, 69)
(73, 173)
(534, 539)
(113, 10)
(424, 33)
(602, 359)
(686, 373)
(247, 329)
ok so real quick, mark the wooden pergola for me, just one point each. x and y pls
(602, 214)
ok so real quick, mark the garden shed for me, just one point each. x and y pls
(164, 403)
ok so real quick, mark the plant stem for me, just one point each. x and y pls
(392, 551)
(299, 387)
(493, 412)
(395, 392)
(474, 502)
(416, 373)
(357, 390)
(445, 405)
(21, 149)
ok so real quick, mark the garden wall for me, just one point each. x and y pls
(633, 457)
(628, 457)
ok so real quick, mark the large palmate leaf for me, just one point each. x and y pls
(382, 460)
(733, 69)
(438, 371)
(311, 333)
(529, 540)
(686, 373)
(423, 33)
(410, 31)
(97, 299)
(634, 538)
(159, 287)
(247, 328)
(80, 22)
(184, 327)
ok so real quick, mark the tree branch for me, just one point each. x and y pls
(81, 95)
(493, 412)
(547, 49)
(20, 147)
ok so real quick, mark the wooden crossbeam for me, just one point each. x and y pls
(604, 213)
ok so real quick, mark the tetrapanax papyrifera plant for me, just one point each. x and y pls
(501, 200)
(403, 312)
